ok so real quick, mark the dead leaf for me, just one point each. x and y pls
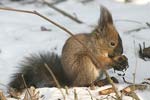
(106, 91)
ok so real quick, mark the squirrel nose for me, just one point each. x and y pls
(111, 55)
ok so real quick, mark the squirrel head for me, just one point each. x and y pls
(107, 37)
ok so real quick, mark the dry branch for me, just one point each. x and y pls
(148, 24)
(126, 81)
(136, 29)
(24, 82)
(93, 58)
(62, 12)
(90, 94)
(54, 2)
(86, 1)
(66, 89)
(139, 28)
(55, 80)
(147, 83)
(128, 20)
(75, 95)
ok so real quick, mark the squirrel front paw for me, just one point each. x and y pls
(120, 63)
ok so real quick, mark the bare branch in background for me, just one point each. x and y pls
(134, 21)
(86, 1)
(56, 1)
(128, 20)
(136, 29)
(62, 12)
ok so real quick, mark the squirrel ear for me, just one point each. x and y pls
(105, 18)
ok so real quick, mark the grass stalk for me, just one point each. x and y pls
(54, 78)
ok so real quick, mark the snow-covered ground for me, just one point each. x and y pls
(21, 35)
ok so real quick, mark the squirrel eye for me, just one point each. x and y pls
(112, 44)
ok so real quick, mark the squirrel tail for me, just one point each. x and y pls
(34, 72)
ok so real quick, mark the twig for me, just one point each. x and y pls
(93, 58)
(66, 89)
(134, 21)
(136, 29)
(55, 2)
(86, 1)
(27, 2)
(62, 12)
(54, 78)
(148, 24)
(16, 10)
(128, 20)
(113, 85)
(24, 82)
(90, 94)
(146, 83)
(38, 14)
(126, 81)
(75, 95)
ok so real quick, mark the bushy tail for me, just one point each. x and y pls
(36, 74)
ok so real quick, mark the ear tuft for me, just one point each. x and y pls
(105, 17)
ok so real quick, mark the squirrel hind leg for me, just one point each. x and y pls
(35, 73)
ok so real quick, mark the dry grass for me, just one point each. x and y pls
(2, 96)
(31, 94)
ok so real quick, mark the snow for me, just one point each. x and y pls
(21, 35)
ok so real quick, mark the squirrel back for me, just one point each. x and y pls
(75, 66)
